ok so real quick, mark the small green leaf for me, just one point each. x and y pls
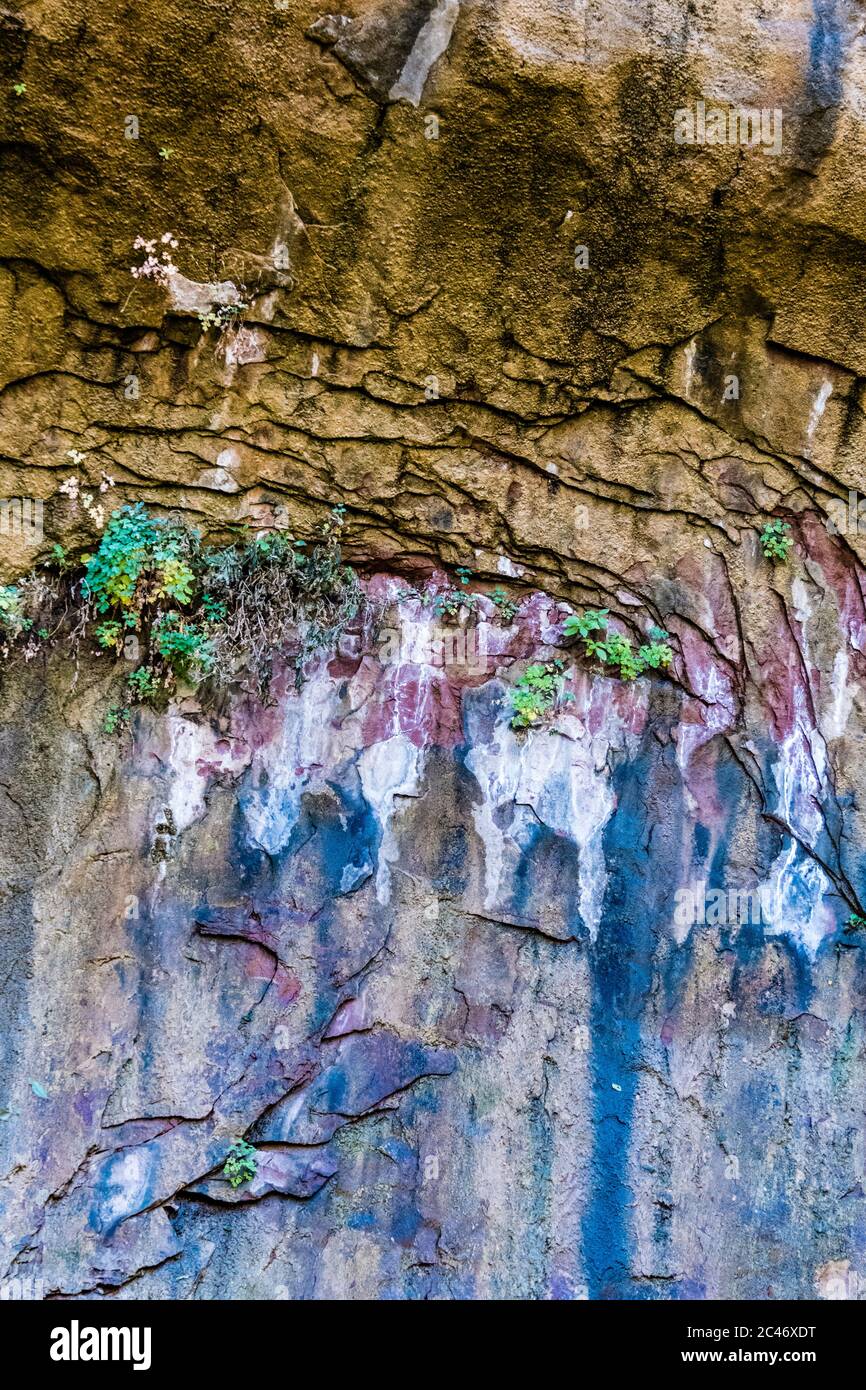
(38, 1090)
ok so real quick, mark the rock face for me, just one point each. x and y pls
(562, 1014)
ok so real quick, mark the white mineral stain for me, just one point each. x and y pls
(432, 41)
(193, 748)
(835, 718)
(389, 770)
(824, 393)
(794, 894)
(243, 346)
(288, 766)
(545, 777)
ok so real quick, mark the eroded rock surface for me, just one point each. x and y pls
(437, 970)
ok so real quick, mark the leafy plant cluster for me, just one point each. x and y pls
(506, 608)
(116, 718)
(223, 316)
(536, 692)
(141, 582)
(153, 593)
(13, 618)
(29, 609)
(449, 605)
(540, 688)
(776, 540)
(274, 591)
(611, 648)
(241, 1163)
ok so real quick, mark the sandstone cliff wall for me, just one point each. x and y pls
(438, 971)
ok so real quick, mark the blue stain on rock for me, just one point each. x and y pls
(366, 1070)
(826, 55)
(546, 884)
(405, 1222)
(617, 960)
(823, 83)
(542, 1147)
(435, 841)
(335, 841)
(361, 1221)
(635, 909)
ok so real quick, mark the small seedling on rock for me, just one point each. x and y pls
(241, 1163)
(506, 608)
(775, 540)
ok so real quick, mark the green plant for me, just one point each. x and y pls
(775, 540)
(614, 649)
(184, 647)
(241, 1163)
(13, 619)
(116, 718)
(59, 560)
(423, 596)
(19, 88)
(276, 595)
(143, 685)
(223, 316)
(582, 624)
(212, 610)
(506, 608)
(34, 608)
(656, 653)
(854, 923)
(448, 606)
(140, 560)
(110, 635)
(165, 151)
(196, 614)
(536, 692)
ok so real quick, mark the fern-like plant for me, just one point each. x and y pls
(241, 1163)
